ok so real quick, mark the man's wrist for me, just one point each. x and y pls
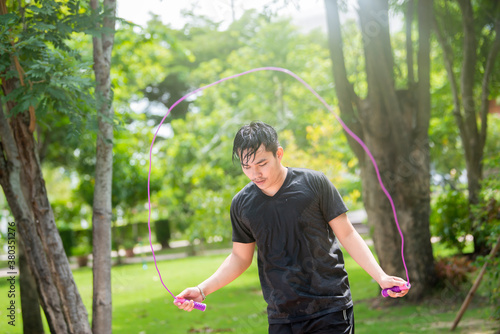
(202, 293)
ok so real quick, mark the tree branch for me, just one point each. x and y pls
(424, 69)
(468, 73)
(485, 92)
(448, 64)
(344, 90)
(8, 141)
(409, 42)
(379, 71)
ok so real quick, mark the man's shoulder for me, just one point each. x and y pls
(310, 178)
(306, 172)
(248, 189)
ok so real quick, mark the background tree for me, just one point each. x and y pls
(394, 124)
(102, 209)
(197, 192)
(39, 75)
(477, 27)
(30, 305)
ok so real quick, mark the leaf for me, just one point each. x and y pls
(43, 26)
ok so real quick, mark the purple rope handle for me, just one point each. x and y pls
(346, 128)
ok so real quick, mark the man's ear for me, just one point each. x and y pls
(279, 153)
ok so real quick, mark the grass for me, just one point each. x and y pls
(441, 250)
(142, 305)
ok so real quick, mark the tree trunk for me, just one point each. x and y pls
(102, 208)
(393, 124)
(30, 306)
(22, 182)
(472, 134)
(23, 185)
(471, 141)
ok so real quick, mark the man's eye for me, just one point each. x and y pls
(263, 165)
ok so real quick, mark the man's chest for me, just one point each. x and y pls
(286, 214)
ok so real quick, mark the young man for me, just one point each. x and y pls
(295, 217)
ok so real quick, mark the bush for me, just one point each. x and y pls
(450, 218)
(163, 232)
(68, 240)
(491, 281)
(454, 270)
(487, 213)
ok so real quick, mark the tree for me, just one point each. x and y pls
(32, 319)
(478, 30)
(200, 178)
(102, 209)
(394, 124)
(39, 74)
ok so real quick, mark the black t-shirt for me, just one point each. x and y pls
(301, 266)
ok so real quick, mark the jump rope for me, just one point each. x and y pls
(201, 306)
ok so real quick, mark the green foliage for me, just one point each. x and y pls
(141, 57)
(68, 240)
(51, 78)
(450, 219)
(447, 152)
(492, 278)
(163, 232)
(197, 188)
(130, 170)
(487, 212)
(199, 178)
(81, 249)
(82, 242)
(54, 76)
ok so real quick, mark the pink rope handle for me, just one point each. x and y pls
(328, 107)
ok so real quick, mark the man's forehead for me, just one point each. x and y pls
(247, 159)
(260, 150)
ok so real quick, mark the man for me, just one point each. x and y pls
(295, 217)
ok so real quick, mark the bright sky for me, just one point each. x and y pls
(311, 13)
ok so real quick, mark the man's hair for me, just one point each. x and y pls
(250, 137)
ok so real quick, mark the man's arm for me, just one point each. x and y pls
(357, 248)
(233, 266)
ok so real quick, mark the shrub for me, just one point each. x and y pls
(454, 270)
(487, 213)
(450, 218)
(163, 232)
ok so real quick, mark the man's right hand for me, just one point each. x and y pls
(190, 295)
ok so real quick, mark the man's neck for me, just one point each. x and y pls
(279, 183)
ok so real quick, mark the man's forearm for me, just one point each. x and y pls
(229, 270)
(359, 251)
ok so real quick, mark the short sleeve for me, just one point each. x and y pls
(241, 230)
(332, 204)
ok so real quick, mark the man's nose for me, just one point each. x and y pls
(256, 172)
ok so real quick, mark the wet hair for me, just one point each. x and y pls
(250, 137)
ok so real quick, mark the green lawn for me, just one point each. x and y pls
(142, 305)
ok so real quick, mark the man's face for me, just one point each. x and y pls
(265, 170)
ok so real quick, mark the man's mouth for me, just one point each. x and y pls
(258, 182)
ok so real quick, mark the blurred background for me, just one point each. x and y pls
(421, 88)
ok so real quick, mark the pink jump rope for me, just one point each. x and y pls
(201, 306)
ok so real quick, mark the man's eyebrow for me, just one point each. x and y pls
(257, 163)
